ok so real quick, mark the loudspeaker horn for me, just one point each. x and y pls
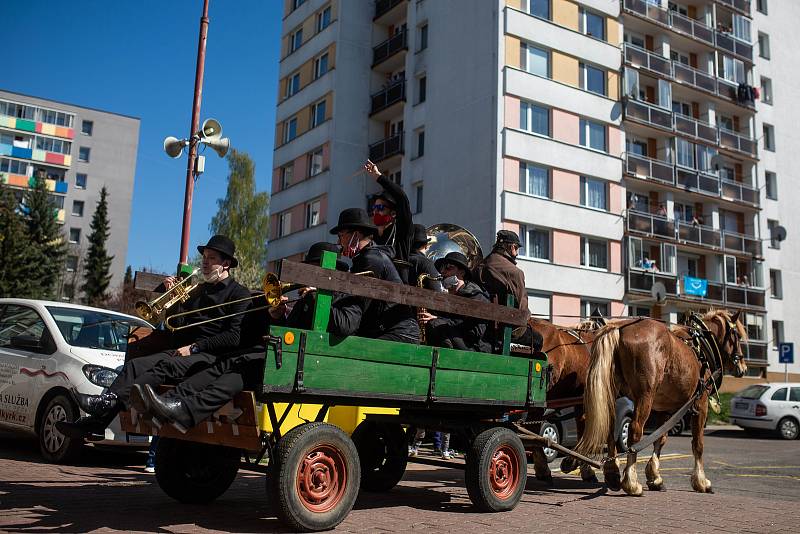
(211, 129)
(174, 146)
(220, 145)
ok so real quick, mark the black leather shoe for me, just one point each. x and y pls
(92, 427)
(96, 404)
(170, 409)
(138, 401)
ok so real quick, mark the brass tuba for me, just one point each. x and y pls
(153, 310)
(446, 238)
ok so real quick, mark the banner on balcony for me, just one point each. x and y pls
(695, 286)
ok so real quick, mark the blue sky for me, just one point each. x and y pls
(138, 58)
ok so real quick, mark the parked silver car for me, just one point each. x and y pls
(768, 407)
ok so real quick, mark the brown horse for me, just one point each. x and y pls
(657, 369)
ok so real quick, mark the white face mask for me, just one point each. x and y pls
(213, 276)
(450, 282)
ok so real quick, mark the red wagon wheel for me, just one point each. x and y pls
(496, 471)
(322, 478)
(504, 472)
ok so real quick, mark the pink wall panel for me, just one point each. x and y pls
(615, 251)
(300, 169)
(298, 217)
(511, 174)
(617, 309)
(273, 226)
(566, 187)
(566, 248)
(614, 198)
(614, 140)
(509, 225)
(326, 156)
(51, 157)
(276, 180)
(323, 209)
(566, 127)
(512, 112)
(566, 309)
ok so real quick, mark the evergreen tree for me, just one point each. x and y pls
(44, 239)
(14, 252)
(243, 216)
(97, 269)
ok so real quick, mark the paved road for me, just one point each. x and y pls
(757, 483)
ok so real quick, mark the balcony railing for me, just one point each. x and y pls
(649, 224)
(639, 57)
(694, 77)
(650, 168)
(730, 90)
(695, 180)
(699, 234)
(648, 114)
(696, 128)
(691, 27)
(735, 46)
(389, 47)
(745, 296)
(384, 6)
(741, 243)
(647, 10)
(381, 100)
(386, 148)
(643, 281)
(740, 191)
(738, 142)
(741, 5)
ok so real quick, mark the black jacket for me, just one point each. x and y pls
(459, 332)
(374, 318)
(400, 233)
(421, 264)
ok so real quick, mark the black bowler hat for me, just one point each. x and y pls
(455, 258)
(223, 245)
(420, 236)
(507, 236)
(314, 255)
(355, 219)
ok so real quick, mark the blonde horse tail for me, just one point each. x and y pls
(599, 399)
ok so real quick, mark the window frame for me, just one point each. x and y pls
(310, 213)
(420, 144)
(771, 185)
(419, 197)
(321, 18)
(290, 86)
(284, 223)
(767, 95)
(768, 132)
(84, 158)
(776, 284)
(526, 108)
(289, 125)
(76, 203)
(584, 78)
(763, 46)
(315, 109)
(84, 124)
(586, 131)
(586, 243)
(583, 26)
(584, 193)
(293, 38)
(311, 155)
(318, 73)
(422, 29)
(422, 88)
(77, 180)
(762, 7)
(525, 181)
(71, 230)
(524, 251)
(525, 50)
(527, 8)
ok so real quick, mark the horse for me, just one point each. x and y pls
(656, 368)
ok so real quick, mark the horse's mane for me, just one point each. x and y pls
(725, 315)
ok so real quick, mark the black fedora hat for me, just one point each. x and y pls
(355, 219)
(507, 236)
(385, 195)
(455, 258)
(420, 235)
(314, 255)
(223, 245)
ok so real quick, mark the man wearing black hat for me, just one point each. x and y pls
(362, 316)
(422, 264)
(195, 348)
(453, 331)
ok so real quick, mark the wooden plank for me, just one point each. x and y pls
(147, 281)
(364, 286)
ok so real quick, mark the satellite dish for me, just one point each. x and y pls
(777, 233)
(174, 146)
(659, 292)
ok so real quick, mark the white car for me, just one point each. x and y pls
(49, 349)
(768, 407)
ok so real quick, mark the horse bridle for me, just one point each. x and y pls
(736, 341)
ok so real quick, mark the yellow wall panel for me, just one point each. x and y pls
(613, 85)
(328, 106)
(512, 51)
(516, 4)
(309, 27)
(332, 56)
(565, 13)
(612, 31)
(306, 73)
(303, 120)
(565, 69)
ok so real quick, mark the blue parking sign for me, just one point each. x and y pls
(785, 352)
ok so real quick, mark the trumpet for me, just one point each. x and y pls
(420, 283)
(180, 292)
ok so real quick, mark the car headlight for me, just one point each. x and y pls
(99, 376)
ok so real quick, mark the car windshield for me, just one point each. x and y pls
(94, 329)
(752, 392)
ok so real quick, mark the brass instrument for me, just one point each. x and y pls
(420, 283)
(180, 292)
(447, 238)
(274, 289)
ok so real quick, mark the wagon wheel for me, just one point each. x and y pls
(195, 473)
(383, 454)
(315, 478)
(496, 470)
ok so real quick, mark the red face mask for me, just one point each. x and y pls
(381, 219)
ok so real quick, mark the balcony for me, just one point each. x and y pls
(739, 191)
(655, 225)
(735, 46)
(742, 6)
(694, 180)
(691, 27)
(648, 114)
(698, 234)
(385, 12)
(698, 79)
(738, 142)
(696, 128)
(647, 10)
(741, 243)
(744, 296)
(649, 168)
(390, 49)
(730, 91)
(643, 281)
(386, 148)
(387, 98)
(641, 58)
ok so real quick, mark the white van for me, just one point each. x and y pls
(47, 350)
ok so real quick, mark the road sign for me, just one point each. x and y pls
(785, 352)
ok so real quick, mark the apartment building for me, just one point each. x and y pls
(78, 150)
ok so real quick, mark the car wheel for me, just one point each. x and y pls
(788, 428)
(550, 430)
(678, 429)
(622, 437)
(55, 446)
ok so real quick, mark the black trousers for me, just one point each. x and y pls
(210, 389)
(157, 369)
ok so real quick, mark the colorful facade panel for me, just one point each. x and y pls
(37, 127)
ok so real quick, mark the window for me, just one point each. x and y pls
(534, 118)
(420, 143)
(72, 264)
(593, 193)
(422, 89)
(761, 6)
(77, 208)
(755, 326)
(418, 198)
(772, 185)
(534, 60)
(732, 70)
(769, 137)
(324, 19)
(592, 79)
(287, 173)
(74, 235)
(289, 129)
(20, 321)
(592, 24)
(766, 90)
(535, 243)
(777, 333)
(317, 114)
(538, 8)
(395, 177)
(742, 28)
(780, 394)
(46, 144)
(593, 135)
(685, 151)
(534, 180)
(312, 213)
(296, 40)
(298, 3)
(80, 181)
(86, 127)
(83, 154)
(773, 240)
(593, 308)
(14, 166)
(594, 253)
(423, 38)
(315, 162)
(775, 284)
(293, 84)
(763, 45)
(284, 224)
(320, 65)
(638, 311)
(794, 395)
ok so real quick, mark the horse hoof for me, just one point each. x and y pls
(548, 479)
(591, 479)
(613, 483)
(568, 465)
(652, 486)
(634, 491)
